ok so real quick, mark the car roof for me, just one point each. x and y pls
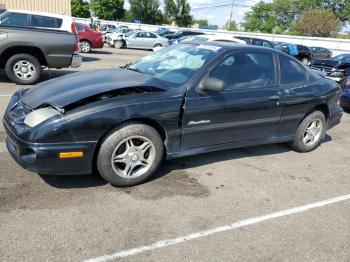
(39, 13)
(217, 37)
(253, 38)
(230, 47)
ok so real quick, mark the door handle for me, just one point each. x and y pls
(274, 98)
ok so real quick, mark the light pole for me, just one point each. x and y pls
(231, 14)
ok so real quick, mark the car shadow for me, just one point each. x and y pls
(90, 59)
(95, 180)
(94, 51)
(74, 181)
(3, 77)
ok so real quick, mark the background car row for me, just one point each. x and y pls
(318, 58)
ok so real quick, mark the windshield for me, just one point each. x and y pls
(342, 58)
(281, 47)
(129, 33)
(177, 63)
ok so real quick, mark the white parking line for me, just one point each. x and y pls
(242, 223)
(5, 95)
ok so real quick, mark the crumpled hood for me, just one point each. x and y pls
(71, 88)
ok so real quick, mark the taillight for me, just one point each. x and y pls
(76, 49)
(74, 30)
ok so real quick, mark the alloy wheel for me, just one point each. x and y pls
(85, 47)
(313, 132)
(133, 157)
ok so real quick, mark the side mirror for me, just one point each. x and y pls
(211, 84)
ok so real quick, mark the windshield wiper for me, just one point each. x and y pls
(127, 66)
(134, 69)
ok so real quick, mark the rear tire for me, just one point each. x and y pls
(85, 46)
(157, 47)
(310, 133)
(23, 69)
(130, 154)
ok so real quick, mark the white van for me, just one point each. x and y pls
(24, 18)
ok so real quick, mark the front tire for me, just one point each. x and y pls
(310, 133)
(23, 69)
(305, 60)
(130, 154)
(118, 44)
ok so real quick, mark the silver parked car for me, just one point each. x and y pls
(144, 40)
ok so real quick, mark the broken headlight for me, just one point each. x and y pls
(38, 116)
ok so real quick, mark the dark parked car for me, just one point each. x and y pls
(162, 31)
(183, 100)
(336, 68)
(345, 97)
(300, 52)
(321, 52)
(180, 34)
(88, 38)
(256, 41)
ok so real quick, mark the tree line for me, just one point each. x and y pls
(322, 18)
(145, 11)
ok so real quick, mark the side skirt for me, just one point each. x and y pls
(207, 149)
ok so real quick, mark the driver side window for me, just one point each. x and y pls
(246, 69)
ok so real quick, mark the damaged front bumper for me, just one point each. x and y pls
(44, 158)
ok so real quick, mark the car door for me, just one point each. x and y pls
(136, 40)
(299, 94)
(248, 109)
(149, 40)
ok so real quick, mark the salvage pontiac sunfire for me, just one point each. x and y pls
(183, 100)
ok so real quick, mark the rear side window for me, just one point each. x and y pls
(45, 21)
(79, 28)
(291, 71)
(150, 35)
(257, 42)
(14, 19)
(246, 70)
(267, 44)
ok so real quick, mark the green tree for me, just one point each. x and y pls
(280, 16)
(201, 22)
(147, 11)
(80, 8)
(261, 19)
(179, 11)
(128, 16)
(232, 26)
(318, 22)
(108, 9)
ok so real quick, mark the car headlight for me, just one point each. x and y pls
(38, 116)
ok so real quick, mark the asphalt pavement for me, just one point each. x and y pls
(264, 203)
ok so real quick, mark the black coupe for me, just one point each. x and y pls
(183, 100)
